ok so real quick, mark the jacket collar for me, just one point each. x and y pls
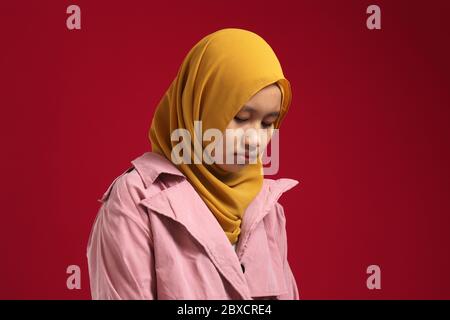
(198, 220)
(151, 164)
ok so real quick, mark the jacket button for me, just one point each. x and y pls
(243, 268)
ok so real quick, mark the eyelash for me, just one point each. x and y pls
(265, 125)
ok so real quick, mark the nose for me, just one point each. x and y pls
(251, 139)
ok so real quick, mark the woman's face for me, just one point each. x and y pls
(253, 127)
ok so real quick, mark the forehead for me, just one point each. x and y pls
(267, 99)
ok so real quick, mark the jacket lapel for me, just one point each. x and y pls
(194, 215)
(260, 207)
(265, 266)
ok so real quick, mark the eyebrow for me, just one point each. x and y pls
(251, 109)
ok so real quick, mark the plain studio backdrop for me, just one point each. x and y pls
(367, 134)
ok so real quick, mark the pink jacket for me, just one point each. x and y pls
(155, 238)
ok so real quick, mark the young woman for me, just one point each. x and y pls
(196, 228)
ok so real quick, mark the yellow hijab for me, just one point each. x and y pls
(217, 77)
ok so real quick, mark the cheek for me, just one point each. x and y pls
(239, 132)
(233, 125)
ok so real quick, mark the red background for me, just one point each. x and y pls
(367, 135)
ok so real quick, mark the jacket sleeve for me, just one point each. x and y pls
(291, 284)
(120, 247)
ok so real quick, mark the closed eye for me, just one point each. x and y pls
(263, 124)
(237, 119)
(266, 125)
